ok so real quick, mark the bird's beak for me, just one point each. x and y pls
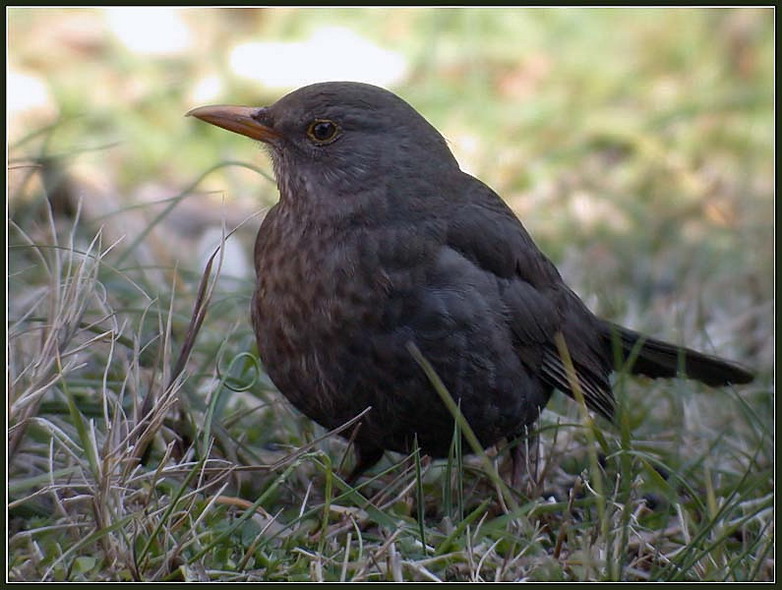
(237, 119)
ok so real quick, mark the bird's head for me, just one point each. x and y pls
(335, 137)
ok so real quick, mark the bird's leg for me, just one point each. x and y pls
(525, 457)
(366, 457)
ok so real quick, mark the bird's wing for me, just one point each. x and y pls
(483, 229)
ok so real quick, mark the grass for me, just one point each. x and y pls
(112, 479)
(147, 443)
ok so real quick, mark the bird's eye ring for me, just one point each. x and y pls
(323, 131)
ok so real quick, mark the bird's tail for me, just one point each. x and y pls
(642, 355)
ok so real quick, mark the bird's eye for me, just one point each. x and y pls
(323, 131)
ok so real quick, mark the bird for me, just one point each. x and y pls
(380, 246)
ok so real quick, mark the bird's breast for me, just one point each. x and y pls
(318, 296)
(331, 306)
(322, 286)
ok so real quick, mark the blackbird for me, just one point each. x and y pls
(379, 240)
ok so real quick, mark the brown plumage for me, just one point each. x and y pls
(380, 240)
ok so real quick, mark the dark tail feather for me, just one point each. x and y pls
(655, 358)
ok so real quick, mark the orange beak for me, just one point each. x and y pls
(237, 119)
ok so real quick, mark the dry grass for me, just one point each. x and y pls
(128, 462)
